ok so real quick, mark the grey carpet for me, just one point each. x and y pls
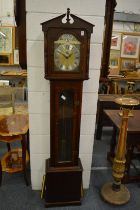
(100, 149)
(14, 195)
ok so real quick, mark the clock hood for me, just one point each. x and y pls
(77, 22)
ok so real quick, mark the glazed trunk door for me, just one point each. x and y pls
(67, 125)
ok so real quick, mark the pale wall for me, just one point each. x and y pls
(38, 87)
(7, 12)
(128, 6)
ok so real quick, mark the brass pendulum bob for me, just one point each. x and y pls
(117, 193)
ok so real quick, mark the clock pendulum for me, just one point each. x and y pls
(66, 55)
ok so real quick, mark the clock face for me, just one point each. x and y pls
(67, 53)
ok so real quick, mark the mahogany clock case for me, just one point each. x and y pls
(66, 69)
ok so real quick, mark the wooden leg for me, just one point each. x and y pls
(99, 119)
(111, 153)
(129, 155)
(28, 142)
(99, 130)
(23, 142)
(0, 173)
(8, 147)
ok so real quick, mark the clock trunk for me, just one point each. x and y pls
(66, 99)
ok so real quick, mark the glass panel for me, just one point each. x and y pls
(66, 106)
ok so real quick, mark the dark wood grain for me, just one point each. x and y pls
(63, 185)
(109, 14)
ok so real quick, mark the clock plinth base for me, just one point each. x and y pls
(63, 185)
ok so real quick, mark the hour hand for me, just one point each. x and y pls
(63, 53)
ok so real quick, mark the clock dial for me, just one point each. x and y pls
(67, 53)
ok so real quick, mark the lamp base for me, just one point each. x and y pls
(115, 197)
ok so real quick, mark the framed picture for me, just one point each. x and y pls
(137, 27)
(115, 41)
(7, 44)
(6, 39)
(128, 64)
(130, 46)
(114, 62)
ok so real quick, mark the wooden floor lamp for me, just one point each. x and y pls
(115, 192)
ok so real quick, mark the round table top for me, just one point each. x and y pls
(14, 123)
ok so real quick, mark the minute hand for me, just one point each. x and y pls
(62, 53)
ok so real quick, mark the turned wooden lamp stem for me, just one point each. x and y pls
(119, 160)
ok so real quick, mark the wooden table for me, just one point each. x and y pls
(106, 101)
(14, 125)
(133, 138)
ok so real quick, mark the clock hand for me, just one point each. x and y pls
(67, 54)
(70, 54)
(62, 53)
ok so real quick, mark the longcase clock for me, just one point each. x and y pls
(66, 52)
